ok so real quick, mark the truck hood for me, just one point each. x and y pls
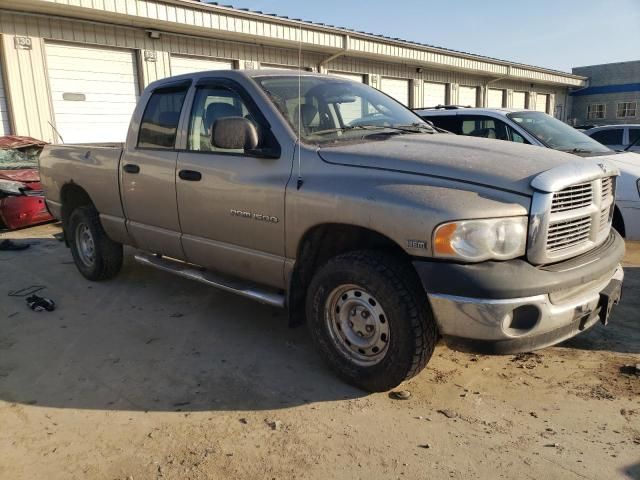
(490, 163)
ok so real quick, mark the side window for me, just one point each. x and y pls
(516, 137)
(608, 137)
(480, 127)
(448, 123)
(210, 105)
(634, 134)
(160, 118)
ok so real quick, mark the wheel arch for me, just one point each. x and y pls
(618, 221)
(314, 250)
(72, 196)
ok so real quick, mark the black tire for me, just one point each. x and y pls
(107, 256)
(394, 284)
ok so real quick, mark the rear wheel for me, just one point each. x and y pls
(94, 253)
(370, 319)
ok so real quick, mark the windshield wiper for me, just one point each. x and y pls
(347, 128)
(576, 150)
(414, 128)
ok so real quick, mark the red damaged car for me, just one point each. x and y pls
(21, 200)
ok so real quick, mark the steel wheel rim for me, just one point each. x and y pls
(357, 324)
(85, 245)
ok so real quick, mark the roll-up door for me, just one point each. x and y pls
(495, 98)
(356, 77)
(468, 96)
(434, 94)
(352, 110)
(278, 67)
(93, 91)
(542, 101)
(520, 100)
(396, 88)
(181, 64)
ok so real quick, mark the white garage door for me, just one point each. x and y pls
(495, 98)
(434, 94)
(396, 88)
(541, 102)
(519, 100)
(352, 110)
(468, 96)
(278, 67)
(181, 65)
(93, 91)
(5, 126)
(349, 76)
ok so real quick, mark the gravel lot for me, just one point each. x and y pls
(151, 376)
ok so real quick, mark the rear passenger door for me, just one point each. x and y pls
(148, 174)
(488, 127)
(232, 208)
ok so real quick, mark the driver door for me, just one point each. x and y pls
(231, 203)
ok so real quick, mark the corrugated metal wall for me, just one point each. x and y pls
(28, 91)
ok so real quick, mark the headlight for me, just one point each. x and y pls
(9, 187)
(478, 240)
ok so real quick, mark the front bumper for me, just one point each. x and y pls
(509, 307)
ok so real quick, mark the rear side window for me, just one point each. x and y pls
(448, 123)
(634, 134)
(159, 124)
(608, 137)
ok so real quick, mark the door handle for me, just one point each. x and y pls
(131, 168)
(190, 175)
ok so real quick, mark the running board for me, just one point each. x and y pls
(244, 289)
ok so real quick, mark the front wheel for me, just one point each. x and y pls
(94, 253)
(370, 319)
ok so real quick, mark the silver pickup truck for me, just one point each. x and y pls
(328, 198)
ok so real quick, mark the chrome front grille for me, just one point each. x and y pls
(572, 198)
(568, 233)
(571, 220)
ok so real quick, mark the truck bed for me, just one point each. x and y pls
(94, 166)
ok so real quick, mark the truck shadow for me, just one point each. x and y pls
(148, 340)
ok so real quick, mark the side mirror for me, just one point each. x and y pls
(234, 133)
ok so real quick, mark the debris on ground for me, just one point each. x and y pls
(23, 292)
(400, 395)
(40, 304)
(631, 369)
(275, 425)
(448, 413)
(425, 445)
(528, 360)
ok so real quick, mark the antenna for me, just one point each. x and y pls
(300, 181)
(56, 131)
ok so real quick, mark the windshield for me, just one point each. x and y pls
(332, 109)
(556, 134)
(20, 159)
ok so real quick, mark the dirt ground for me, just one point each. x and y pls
(151, 376)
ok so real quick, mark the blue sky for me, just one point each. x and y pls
(557, 34)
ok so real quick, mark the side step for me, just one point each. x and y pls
(244, 289)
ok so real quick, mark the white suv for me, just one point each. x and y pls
(617, 137)
(540, 129)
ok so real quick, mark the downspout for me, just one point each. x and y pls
(323, 64)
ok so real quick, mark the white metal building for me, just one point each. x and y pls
(73, 69)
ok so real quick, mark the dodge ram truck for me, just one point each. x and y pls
(330, 199)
